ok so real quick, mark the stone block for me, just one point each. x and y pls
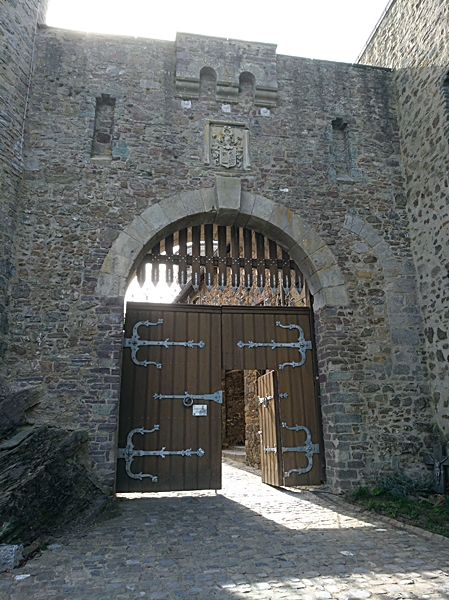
(10, 556)
(296, 229)
(274, 228)
(262, 211)
(340, 375)
(111, 285)
(193, 202)
(322, 259)
(156, 218)
(119, 264)
(139, 230)
(382, 249)
(355, 224)
(331, 296)
(405, 337)
(348, 222)
(331, 276)
(123, 253)
(304, 263)
(308, 239)
(370, 235)
(209, 196)
(228, 199)
(246, 208)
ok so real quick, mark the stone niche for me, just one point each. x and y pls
(229, 59)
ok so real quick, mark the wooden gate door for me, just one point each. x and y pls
(170, 407)
(280, 339)
(270, 463)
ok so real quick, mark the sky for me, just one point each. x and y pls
(324, 29)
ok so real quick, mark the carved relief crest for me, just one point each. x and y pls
(226, 145)
(227, 148)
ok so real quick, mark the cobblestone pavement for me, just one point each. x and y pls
(249, 541)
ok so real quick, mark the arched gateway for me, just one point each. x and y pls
(170, 407)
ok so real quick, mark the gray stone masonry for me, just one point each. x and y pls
(413, 39)
(17, 39)
(85, 223)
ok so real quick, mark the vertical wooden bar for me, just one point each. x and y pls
(286, 277)
(141, 273)
(307, 301)
(235, 255)
(222, 257)
(196, 247)
(298, 280)
(248, 254)
(156, 250)
(209, 244)
(260, 250)
(182, 271)
(273, 253)
(169, 264)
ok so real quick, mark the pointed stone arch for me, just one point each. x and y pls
(226, 204)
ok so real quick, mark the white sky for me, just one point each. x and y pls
(326, 29)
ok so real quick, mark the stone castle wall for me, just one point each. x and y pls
(17, 32)
(233, 409)
(322, 144)
(413, 39)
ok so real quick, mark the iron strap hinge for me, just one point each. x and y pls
(309, 449)
(134, 342)
(128, 453)
(187, 399)
(302, 345)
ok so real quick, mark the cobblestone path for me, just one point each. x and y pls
(249, 541)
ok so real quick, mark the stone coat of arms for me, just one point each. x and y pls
(226, 145)
(227, 148)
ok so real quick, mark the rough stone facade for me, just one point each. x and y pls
(233, 419)
(252, 423)
(306, 152)
(18, 27)
(413, 40)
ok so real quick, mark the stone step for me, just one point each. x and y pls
(237, 453)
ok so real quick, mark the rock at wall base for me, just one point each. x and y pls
(10, 556)
(46, 484)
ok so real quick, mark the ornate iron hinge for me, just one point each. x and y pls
(134, 342)
(302, 345)
(309, 449)
(267, 450)
(187, 399)
(264, 400)
(128, 453)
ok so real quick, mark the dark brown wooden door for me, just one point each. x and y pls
(170, 406)
(280, 339)
(270, 441)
